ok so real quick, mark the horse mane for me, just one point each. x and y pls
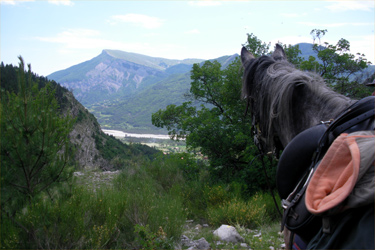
(277, 93)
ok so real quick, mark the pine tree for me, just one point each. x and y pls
(35, 148)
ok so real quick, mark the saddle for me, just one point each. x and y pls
(301, 158)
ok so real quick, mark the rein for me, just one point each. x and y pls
(258, 136)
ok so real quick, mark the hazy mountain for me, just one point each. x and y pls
(306, 50)
(117, 74)
(123, 89)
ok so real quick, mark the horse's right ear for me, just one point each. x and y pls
(246, 56)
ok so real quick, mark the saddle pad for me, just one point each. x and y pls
(345, 176)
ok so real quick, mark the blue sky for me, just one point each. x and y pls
(54, 35)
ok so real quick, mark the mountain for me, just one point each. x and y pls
(306, 50)
(117, 74)
(123, 89)
(92, 148)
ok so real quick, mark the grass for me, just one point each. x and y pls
(263, 237)
(145, 205)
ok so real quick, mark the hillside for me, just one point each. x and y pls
(123, 89)
(117, 74)
(93, 148)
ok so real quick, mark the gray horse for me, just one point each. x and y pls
(284, 102)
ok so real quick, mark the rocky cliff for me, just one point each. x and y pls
(83, 135)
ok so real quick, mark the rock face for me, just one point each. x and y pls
(229, 234)
(83, 136)
(91, 145)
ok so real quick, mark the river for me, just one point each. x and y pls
(117, 133)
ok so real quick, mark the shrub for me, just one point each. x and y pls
(105, 218)
(252, 213)
(149, 240)
(149, 204)
(215, 195)
(83, 219)
(166, 170)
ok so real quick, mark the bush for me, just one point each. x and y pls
(166, 170)
(80, 217)
(253, 213)
(149, 203)
(149, 240)
(216, 195)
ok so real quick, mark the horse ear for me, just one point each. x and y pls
(246, 56)
(279, 53)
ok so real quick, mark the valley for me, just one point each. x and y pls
(158, 141)
(122, 89)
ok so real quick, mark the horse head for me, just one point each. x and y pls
(283, 100)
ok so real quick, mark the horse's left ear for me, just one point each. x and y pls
(246, 56)
(279, 53)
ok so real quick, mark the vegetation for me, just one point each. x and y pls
(337, 65)
(147, 204)
(35, 147)
(220, 128)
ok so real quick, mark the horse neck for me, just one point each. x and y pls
(310, 110)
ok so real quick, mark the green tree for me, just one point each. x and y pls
(337, 65)
(255, 46)
(218, 127)
(259, 48)
(35, 147)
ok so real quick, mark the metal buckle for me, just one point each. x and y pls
(285, 204)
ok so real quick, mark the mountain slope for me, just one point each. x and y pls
(92, 147)
(133, 114)
(115, 74)
(123, 89)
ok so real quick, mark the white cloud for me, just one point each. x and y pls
(144, 21)
(61, 2)
(14, 2)
(351, 5)
(193, 31)
(204, 3)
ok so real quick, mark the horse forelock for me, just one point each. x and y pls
(270, 85)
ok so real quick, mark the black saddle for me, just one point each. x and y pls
(313, 142)
(296, 158)
(300, 159)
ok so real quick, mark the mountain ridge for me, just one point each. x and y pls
(122, 89)
(110, 85)
(155, 62)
